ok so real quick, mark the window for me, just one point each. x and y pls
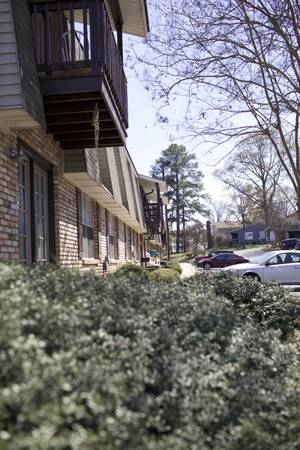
(222, 256)
(85, 226)
(116, 233)
(33, 209)
(23, 203)
(277, 259)
(129, 243)
(112, 236)
(262, 235)
(249, 235)
(41, 214)
(137, 246)
(126, 241)
(289, 258)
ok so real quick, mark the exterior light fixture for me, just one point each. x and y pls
(18, 154)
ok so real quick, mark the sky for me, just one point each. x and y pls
(147, 138)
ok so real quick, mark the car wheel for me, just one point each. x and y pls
(254, 276)
(207, 266)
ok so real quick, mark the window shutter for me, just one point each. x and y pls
(79, 223)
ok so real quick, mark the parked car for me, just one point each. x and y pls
(297, 246)
(289, 244)
(209, 255)
(282, 266)
(222, 260)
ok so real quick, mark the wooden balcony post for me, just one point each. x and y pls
(97, 30)
(47, 36)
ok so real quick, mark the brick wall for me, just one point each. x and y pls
(65, 206)
(8, 200)
(66, 223)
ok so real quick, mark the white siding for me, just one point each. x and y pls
(10, 80)
(20, 99)
(129, 193)
(114, 174)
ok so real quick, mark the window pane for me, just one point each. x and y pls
(129, 243)
(111, 246)
(86, 219)
(125, 241)
(116, 236)
(90, 248)
(23, 205)
(41, 214)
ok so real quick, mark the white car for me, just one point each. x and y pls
(282, 266)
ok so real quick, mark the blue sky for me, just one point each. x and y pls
(146, 138)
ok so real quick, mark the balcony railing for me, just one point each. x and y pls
(152, 215)
(75, 38)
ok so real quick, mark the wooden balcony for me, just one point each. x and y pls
(81, 74)
(153, 217)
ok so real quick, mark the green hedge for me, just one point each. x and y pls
(270, 306)
(130, 270)
(174, 266)
(91, 363)
(165, 275)
(169, 273)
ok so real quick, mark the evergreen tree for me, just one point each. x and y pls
(180, 170)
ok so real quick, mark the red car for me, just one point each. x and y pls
(221, 260)
(200, 258)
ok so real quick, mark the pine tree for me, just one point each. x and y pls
(180, 170)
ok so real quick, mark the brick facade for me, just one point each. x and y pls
(8, 206)
(65, 207)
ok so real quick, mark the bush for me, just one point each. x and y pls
(269, 305)
(220, 241)
(169, 275)
(130, 270)
(173, 265)
(122, 363)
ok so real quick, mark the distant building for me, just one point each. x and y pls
(223, 229)
(251, 234)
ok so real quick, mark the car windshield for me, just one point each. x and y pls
(261, 259)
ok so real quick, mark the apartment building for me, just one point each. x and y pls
(69, 191)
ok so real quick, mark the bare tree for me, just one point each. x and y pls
(236, 64)
(282, 210)
(219, 211)
(254, 173)
(240, 209)
(195, 237)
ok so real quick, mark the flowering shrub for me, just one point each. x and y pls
(122, 363)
